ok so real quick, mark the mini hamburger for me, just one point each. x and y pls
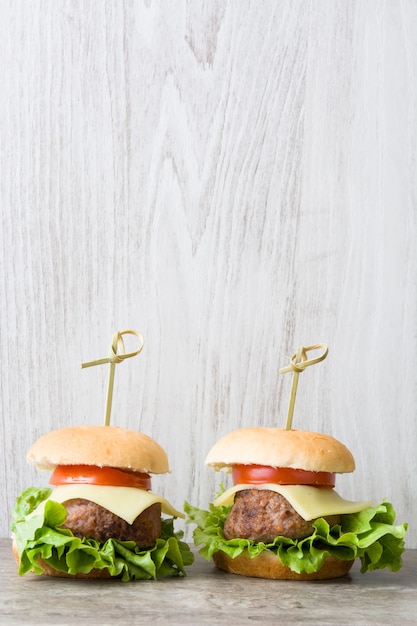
(282, 518)
(100, 518)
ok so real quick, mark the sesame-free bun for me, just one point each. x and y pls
(104, 446)
(277, 447)
(268, 565)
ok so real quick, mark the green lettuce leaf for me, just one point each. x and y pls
(369, 535)
(41, 536)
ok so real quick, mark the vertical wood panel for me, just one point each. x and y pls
(232, 180)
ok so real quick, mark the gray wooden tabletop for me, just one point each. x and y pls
(209, 596)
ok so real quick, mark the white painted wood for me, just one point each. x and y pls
(233, 180)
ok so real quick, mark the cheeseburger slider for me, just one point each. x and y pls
(101, 519)
(283, 518)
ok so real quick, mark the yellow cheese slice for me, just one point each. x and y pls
(125, 502)
(309, 502)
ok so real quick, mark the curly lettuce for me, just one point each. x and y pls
(41, 536)
(369, 535)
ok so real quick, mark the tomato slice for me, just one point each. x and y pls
(94, 475)
(259, 474)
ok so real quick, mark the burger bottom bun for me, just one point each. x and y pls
(50, 571)
(268, 565)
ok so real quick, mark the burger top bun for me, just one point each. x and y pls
(108, 446)
(277, 447)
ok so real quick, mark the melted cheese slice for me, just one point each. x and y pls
(309, 502)
(125, 502)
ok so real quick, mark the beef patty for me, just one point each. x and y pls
(87, 519)
(262, 515)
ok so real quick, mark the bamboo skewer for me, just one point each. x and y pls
(117, 355)
(298, 363)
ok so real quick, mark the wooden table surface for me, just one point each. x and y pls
(209, 596)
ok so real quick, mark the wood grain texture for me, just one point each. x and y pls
(209, 596)
(232, 180)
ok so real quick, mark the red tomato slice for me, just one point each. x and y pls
(259, 474)
(94, 475)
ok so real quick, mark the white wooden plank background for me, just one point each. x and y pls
(233, 180)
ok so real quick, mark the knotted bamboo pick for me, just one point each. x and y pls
(117, 355)
(298, 363)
